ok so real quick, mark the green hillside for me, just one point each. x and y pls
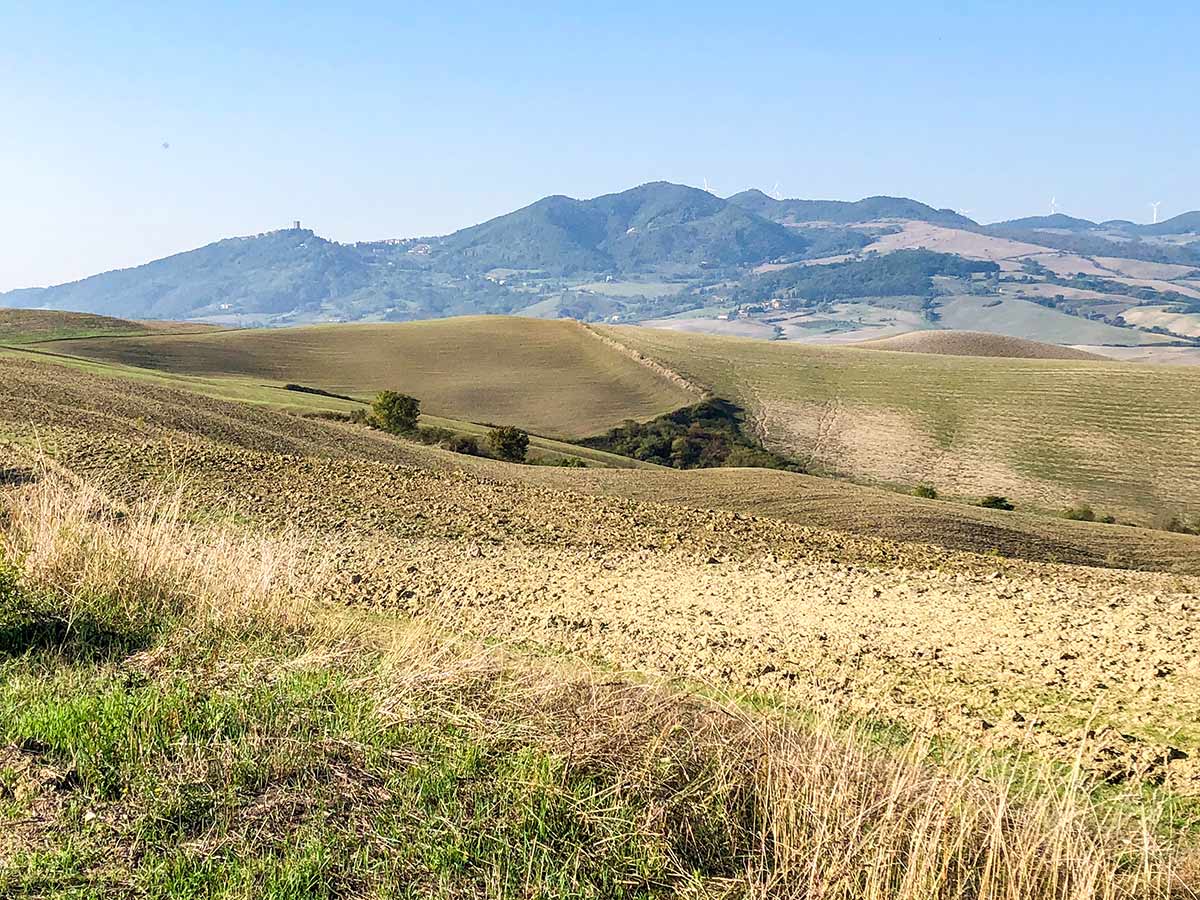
(844, 212)
(644, 229)
(1049, 433)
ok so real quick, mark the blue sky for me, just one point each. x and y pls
(383, 120)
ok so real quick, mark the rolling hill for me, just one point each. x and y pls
(98, 419)
(1049, 433)
(841, 212)
(293, 273)
(648, 228)
(551, 377)
(974, 343)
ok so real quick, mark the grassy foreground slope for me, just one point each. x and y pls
(552, 377)
(184, 713)
(1049, 433)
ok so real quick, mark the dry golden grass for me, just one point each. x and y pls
(729, 802)
(103, 561)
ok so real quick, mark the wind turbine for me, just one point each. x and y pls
(1053, 205)
(1154, 206)
(706, 186)
(775, 192)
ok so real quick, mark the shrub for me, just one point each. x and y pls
(508, 443)
(462, 443)
(570, 462)
(1080, 513)
(996, 501)
(396, 413)
(1177, 524)
(751, 458)
(927, 491)
(433, 435)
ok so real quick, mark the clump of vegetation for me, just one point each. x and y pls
(462, 443)
(508, 443)
(705, 435)
(304, 389)
(432, 435)
(1178, 523)
(903, 273)
(925, 491)
(996, 501)
(1081, 512)
(354, 416)
(396, 413)
(562, 462)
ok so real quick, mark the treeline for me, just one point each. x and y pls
(905, 272)
(707, 435)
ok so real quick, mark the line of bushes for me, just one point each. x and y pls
(400, 414)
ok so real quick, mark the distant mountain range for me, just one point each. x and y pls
(841, 212)
(1187, 223)
(667, 240)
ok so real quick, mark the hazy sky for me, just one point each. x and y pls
(373, 120)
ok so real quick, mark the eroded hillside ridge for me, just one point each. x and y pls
(652, 364)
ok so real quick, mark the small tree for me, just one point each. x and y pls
(397, 413)
(926, 491)
(508, 443)
(1080, 513)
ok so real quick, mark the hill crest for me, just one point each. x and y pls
(974, 343)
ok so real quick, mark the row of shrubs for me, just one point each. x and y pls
(400, 414)
(1081, 512)
(991, 501)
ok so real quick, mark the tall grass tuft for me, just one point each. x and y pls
(141, 568)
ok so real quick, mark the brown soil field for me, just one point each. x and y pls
(551, 377)
(623, 569)
(974, 343)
